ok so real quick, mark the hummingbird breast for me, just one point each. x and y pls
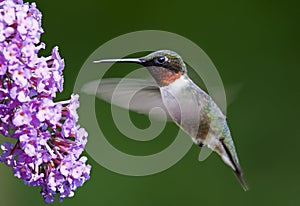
(186, 107)
(193, 110)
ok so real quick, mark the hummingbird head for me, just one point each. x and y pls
(165, 66)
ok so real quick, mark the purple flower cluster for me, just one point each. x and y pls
(48, 140)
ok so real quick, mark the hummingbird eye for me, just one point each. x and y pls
(161, 59)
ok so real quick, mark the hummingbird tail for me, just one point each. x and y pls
(237, 168)
(239, 175)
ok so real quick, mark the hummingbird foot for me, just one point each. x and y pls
(197, 142)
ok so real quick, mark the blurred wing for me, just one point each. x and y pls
(232, 92)
(137, 95)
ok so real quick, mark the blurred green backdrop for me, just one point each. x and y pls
(252, 43)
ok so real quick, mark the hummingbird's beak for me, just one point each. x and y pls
(129, 60)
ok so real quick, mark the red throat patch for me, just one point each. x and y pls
(170, 77)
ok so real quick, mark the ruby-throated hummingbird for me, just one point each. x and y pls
(187, 105)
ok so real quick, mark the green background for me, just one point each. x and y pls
(254, 44)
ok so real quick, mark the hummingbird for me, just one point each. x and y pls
(185, 103)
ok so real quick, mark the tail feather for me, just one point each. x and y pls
(237, 168)
(239, 174)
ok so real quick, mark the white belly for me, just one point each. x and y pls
(183, 105)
